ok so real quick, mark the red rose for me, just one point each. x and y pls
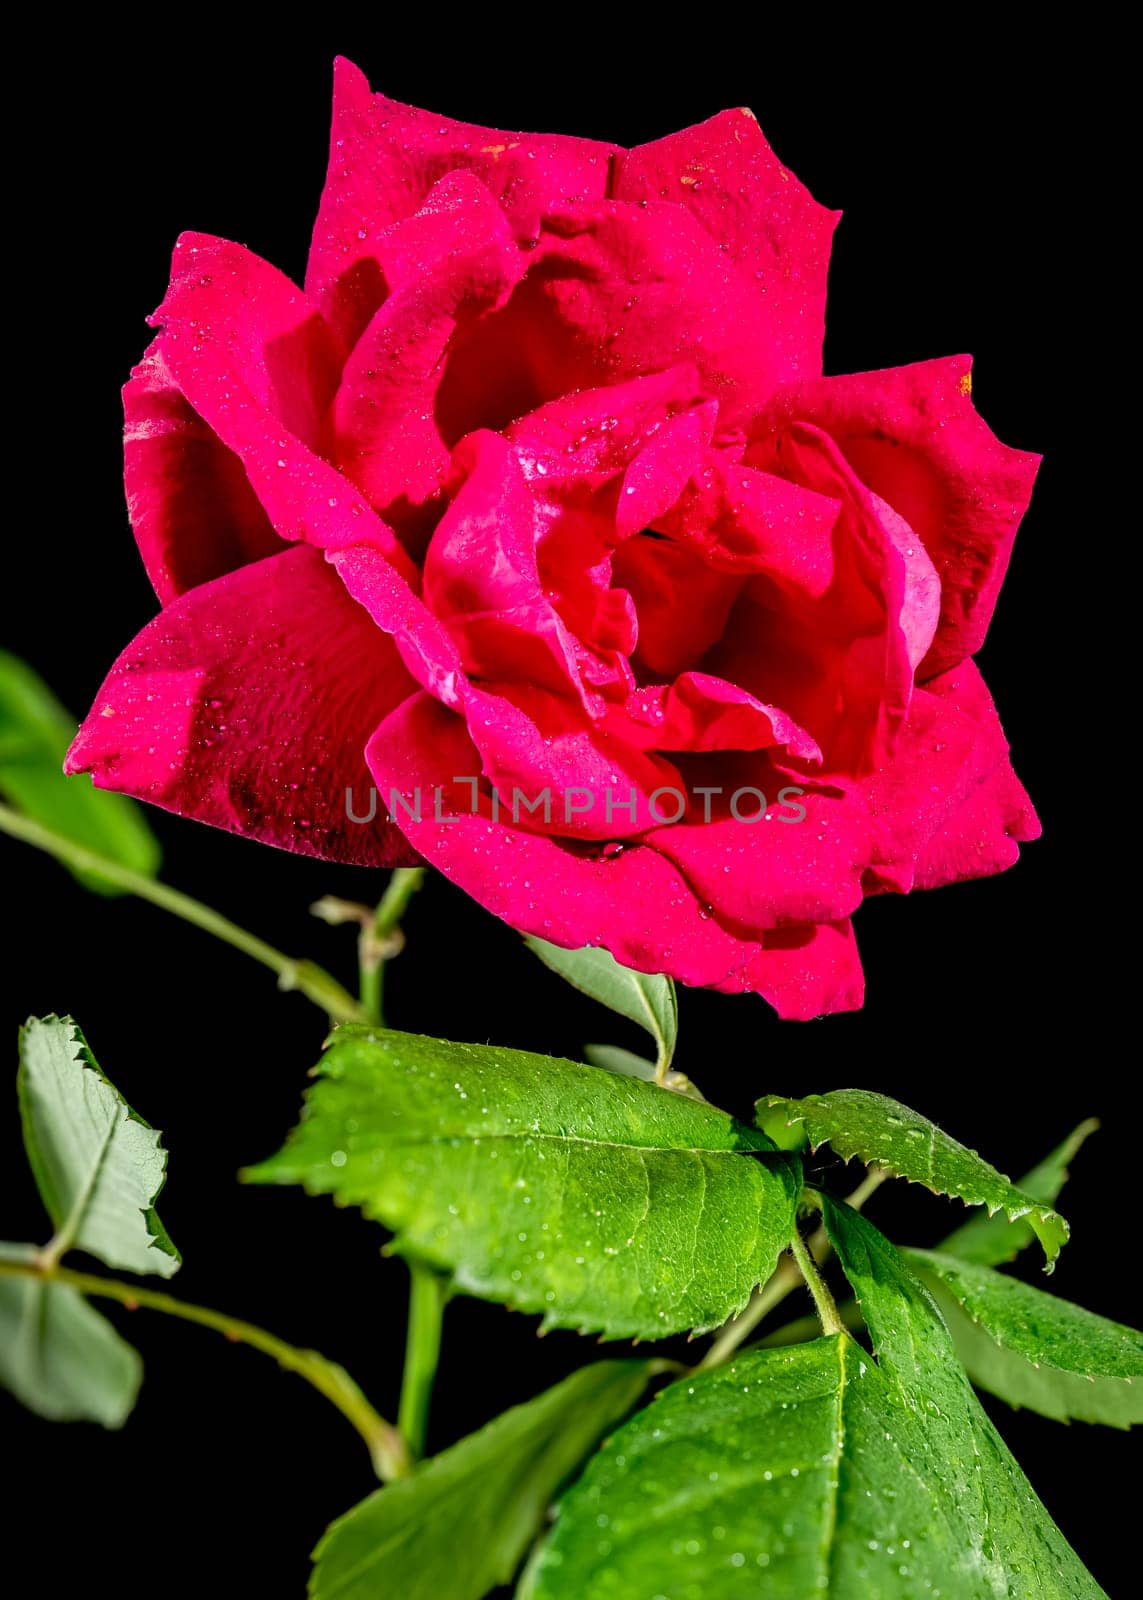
(537, 491)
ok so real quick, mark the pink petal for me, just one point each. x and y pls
(837, 663)
(981, 836)
(657, 476)
(526, 737)
(531, 741)
(247, 704)
(482, 580)
(385, 157)
(724, 173)
(586, 437)
(699, 712)
(808, 972)
(631, 900)
(450, 263)
(258, 364)
(913, 436)
(950, 778)
(673, 637)
(921, 604)
(618, 291)
(745, 521)
(194, 513)
(799, 860)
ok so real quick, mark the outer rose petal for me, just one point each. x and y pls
(385, 157)
(724, 173)
(808, 972)
(770, 872)
(634, 902)
(258, 364)
(914, 436)
(194, 513)
(950, 779)
(247, 704)
(981, 837)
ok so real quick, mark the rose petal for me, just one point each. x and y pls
(482, 580)
(837, 663)
(699, 712)
(981, 835)
(798, 859)
(807, 972)
(950, 778)
(631, 900)
(247, 704)
(581, 440)
(532, 742)
(385, 157)
(451, 262)
(725, 174)
(617, 291)
(258, 364)
(673, 637)
(913, 436)
(921, 602)
(526, 737)
(657, 476)
(745, 521)
(194, 513)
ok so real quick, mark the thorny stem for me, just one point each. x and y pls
(785, 1279)
(304, 976)
(386, 1447)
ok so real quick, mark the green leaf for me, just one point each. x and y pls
(462, 1522)
(607, 1204)
(643, 997)
(628, 1065)
(98, 1166)
(993, 1240)
(35, 732)
(884, 1133)
(773, 1122)
(1032, 1349)
(58, 1356)
(814, 1471)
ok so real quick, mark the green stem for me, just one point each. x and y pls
(386, 1447)
(784, 1280)
(400, 889)
(305, 976)
(823, 1300)
(381, 938)
(427, 1294)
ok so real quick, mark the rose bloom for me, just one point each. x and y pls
(539, 482)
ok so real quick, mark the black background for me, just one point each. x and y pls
(960, 234)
